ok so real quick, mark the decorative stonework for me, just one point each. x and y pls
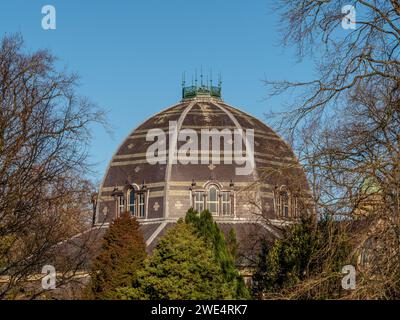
(105, 210)
(205, 108)
(246, 206)
(178, 205)
(169, 184)
(160, 119)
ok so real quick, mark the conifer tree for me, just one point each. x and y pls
(305, 263)
(232, 244)
(122, 254)
(181, 266)
(224, 254)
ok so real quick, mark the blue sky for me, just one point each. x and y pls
(130, 55)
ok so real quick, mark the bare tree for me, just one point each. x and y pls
(44, 134)
(345, 126)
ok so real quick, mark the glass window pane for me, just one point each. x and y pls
(284, 202)
(213, 207)
(226, 203)
(212, 194)
(141, 208)
(226, 209)
(121, 205)
(198, 201)
(212, 200)
(131, 203)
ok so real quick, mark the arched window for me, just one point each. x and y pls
(131, 202)
(136, 204)
(212, 200)
(284, 201)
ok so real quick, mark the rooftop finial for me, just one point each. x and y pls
(204, 89)
(183, 79)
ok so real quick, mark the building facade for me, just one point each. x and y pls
(218, 143)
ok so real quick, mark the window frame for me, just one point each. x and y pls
(200, 201)
(284, 204)
(224, 197)
(228, 203)
(120, 206)
(129, 205)
(216, 202)
(139, 203)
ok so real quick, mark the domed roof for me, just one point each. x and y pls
(169, 187)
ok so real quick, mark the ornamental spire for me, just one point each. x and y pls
(205, 89)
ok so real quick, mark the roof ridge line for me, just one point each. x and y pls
(156, 233)
(170, 159)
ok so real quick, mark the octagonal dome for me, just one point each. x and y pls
(165, 191)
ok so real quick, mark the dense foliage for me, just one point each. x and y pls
(305, 263)
(181, 266)
(122, 255)
(224, 251)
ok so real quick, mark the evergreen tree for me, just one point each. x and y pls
(225, 254)
(122, 254)
(288, 265)
(182, 266)
(232, 244)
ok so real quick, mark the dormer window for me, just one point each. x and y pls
(286, 203)
(214, 199)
